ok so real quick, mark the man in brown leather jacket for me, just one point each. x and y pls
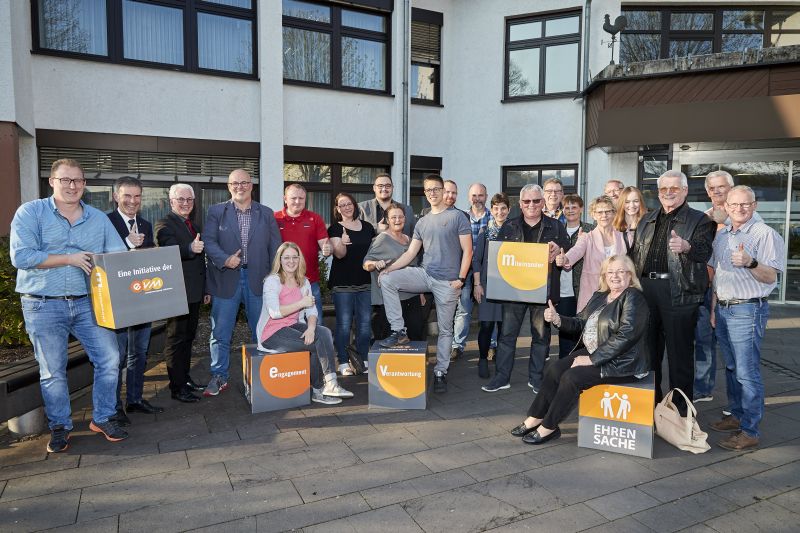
(672, 247)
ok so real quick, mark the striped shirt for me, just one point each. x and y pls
(477, 224)
(761, 243)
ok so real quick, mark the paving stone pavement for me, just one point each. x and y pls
(451, 467)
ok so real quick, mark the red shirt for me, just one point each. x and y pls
(305, 230)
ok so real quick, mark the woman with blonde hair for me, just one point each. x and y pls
(289, 322)
(630, 210)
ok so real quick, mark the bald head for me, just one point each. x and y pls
(240, 185)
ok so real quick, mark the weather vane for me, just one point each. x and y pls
(619, 24)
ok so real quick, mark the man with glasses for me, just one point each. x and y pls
(374, 210)
(553, 195)
(178, 229)
(446, 238)
(133, 341)
(670, 252)
(52, 242)
(613, 189)
(746, 259)
(530, 226)
(241, 239)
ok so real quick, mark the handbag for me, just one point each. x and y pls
(355, 359)
(683, 432)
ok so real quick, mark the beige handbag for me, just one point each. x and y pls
(682, 432)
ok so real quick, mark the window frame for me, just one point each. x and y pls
(432, 18)
(191, 61)
(715, 34)
(541, 43)
(337, 31)
(514, 191)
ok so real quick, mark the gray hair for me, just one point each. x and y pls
(719, 174)
(173, 190)
(531, 187)
(127, 181)
(674, 174)
(744, 188)
(478, 184)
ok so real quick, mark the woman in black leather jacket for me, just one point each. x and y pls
(611, 349)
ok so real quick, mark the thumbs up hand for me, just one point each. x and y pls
(326, 248)
(551, 315)
(136, 239)
(562, 260)
(677, 245)
(345, 237)
(740, 258)
(234, 260)
(552, 249)
(197, 245)
(382, 225)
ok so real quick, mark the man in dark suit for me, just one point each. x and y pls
(137, 233)
(178, 229)
(241, 239)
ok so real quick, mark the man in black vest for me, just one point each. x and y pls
(671, 249)
(133, 342)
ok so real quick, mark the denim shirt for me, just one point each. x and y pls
(39, 230)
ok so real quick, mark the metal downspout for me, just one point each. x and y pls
(587, 12)
(405, 161)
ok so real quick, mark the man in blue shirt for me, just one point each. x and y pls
(52, 242)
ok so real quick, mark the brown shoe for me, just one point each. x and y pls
(726, 425)
(738, 442)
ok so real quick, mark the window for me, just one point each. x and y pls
(422, 166)
(426, 32)
(542, 55)
(657, 32)
(210, 36)
(328, 45)
(516, 177)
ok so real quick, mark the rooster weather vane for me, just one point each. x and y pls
(619, 24)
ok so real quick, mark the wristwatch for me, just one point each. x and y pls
(752, 264)
(463, 281)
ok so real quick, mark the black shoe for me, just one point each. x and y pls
(59, 439)
(192, 385)
(483, 368)
(110, 430)
(439, 382)
(143, 407)
(455, 353)
(397, 338)
(534, 438)
(185, 396)
(121, 418)
(522, 430)
(495, 385)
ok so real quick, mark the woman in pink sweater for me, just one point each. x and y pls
(594, 247)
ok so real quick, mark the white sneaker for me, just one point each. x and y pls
(332, 388)
(366, 364)
(345, 370)
(319, 397)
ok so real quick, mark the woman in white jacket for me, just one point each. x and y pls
(289, 322)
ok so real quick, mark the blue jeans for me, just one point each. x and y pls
(348, 305)
(49, 324)
(705, 351)
(463, 315)
(133, 359)
(740, 330)
(316, 292)
(223, 320)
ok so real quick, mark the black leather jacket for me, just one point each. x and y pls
(689, 275)
(621, 333)
(552, 230)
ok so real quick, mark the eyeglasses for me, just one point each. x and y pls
(737, 205)
(616, 272)
(342, 206)
(184, 200)
(605, 212)
(534, 201)
(384, 187)
(669, 190)
(290, 258)
(237, 184)
(721, 188)
(433, 190)
(553, 191)
(397, 217)
(66, 182)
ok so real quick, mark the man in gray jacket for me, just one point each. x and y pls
(373, 210)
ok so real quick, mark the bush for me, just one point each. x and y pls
(12, 325)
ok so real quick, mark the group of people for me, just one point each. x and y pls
(619, 292)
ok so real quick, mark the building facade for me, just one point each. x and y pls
(330, 93)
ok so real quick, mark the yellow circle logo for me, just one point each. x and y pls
(523, 265)
(401, 376)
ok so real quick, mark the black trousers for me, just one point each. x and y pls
(671, 326)
(412, 317)
(485, 336)
(513, 315)
(561, 388)
(178, 346)
(566, 341)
